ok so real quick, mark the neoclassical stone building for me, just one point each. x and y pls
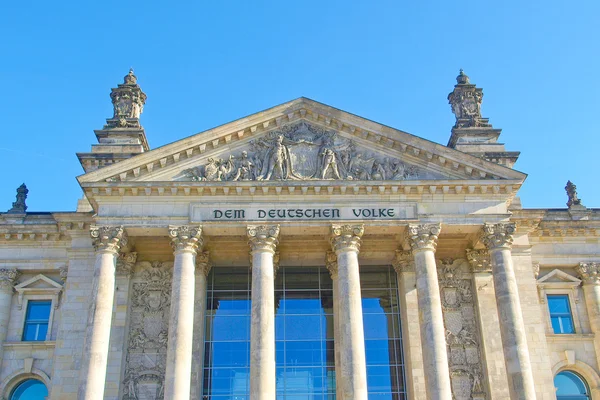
(300, 253)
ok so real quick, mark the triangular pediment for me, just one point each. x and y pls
(557, 276)
(39, 282)
(302, 141)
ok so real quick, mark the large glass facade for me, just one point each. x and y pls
(303, 334)
(383, 339)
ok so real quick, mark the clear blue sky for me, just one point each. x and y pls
(203, 64)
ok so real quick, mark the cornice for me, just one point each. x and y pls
(302, 109)
(504, 189)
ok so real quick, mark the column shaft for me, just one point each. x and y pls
(263, 241)
(185, 241)
(498, 239)
(346, 243)
(107, 241)
(423, 240)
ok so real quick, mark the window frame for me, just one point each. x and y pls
(570, 312)
(49, 293)
(580, 377)
(25, 321)
(558, 282)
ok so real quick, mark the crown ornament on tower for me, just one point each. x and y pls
(128, 103)
(465, 101)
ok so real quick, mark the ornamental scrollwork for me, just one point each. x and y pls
(148, 332)
(498, 236)
(346, 237)
(404, 261)
(302, 152)
(108, 238)
(423, 237)
(479, 260)
(186, 238)
(8, 278)
(463, 339)
(263, 237)
(589, 272)
(331, 264)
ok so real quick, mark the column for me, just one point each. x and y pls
(185, 241)
(107, 242)
(7, 281)
(404, 265)
(345, 241)
(590, 275)
(498, 239)
(331, 264)
(423, 241)
(489, 325)
(263, 240)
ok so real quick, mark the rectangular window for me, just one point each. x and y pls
(560, 313)
(36, 320)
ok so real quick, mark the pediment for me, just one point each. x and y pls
(557, 276)
(38, 282)
(302, 141)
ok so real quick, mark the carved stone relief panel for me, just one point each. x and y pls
(303, 152)
(463, 339)
(148, 331)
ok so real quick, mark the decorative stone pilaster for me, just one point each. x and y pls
(590, 275)
(185, 241)
(332, 266)
(107, 241)
(263, 240)
(423, 242)
(498, 239)
(479, 260)
(125, 263)
(345, 241)
(203, 267)
(7, 282)
(64, 272)
(404, 261)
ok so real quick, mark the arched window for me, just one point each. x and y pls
(31, 389)
(570, 386)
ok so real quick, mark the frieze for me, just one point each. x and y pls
(302, 152)
(463, 338)
(148, 331)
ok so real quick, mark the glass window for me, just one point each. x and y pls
(36, 320)
(570, 386)
(383, 343)
(227, 340)
(560, 313)
(31, 389)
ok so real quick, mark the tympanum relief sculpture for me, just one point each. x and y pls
(462, 333)
(302, 152)
(148, 331)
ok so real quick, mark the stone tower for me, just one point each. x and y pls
(122, 136)
(472, 133)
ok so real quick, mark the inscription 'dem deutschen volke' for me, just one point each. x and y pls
(292, 212)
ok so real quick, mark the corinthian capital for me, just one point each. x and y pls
(108, 238)
(203, 262)
(8, 278)
(125, 263)
(423, 237)
(331, 264)
(346, 237)
(404, 261)
(589, 273)
(479, 260)
(498, 236)
(263, 237)
(185, 238)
